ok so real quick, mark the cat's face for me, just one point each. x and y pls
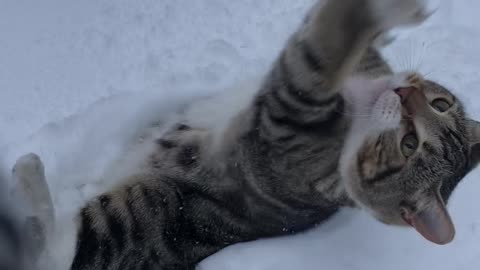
(407, 151)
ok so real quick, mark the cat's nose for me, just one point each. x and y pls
(404, 92)
(414, 101)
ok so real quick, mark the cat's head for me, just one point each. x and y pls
(409, 146)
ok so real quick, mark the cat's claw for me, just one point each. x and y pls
(394, 13)
(383, 40)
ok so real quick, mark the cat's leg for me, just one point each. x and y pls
(303, 88)
(340, 32)
(394, 13)
(32, 192)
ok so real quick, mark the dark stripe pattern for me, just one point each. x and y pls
(152, 226)
(455, 153)
(290, 107)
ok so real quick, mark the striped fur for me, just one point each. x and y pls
(191, 210)
(282, 164)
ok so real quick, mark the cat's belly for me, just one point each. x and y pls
(269, 207)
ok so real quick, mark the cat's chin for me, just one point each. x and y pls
(373, 102)
(386, 112)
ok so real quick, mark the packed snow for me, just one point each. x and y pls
(78, 79)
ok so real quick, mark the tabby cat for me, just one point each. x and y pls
(331, 126)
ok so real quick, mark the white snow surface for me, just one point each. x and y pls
(80, 78)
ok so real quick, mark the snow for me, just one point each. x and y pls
(134, 60)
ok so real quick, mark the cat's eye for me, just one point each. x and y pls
(409, 145)
(441, 105)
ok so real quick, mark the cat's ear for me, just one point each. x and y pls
(433, 223)
(473, 129)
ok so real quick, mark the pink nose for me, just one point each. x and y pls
(405, 92)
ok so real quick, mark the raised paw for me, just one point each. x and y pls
(394, 13)
(31, 188)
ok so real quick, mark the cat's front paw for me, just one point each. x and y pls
(394, 13)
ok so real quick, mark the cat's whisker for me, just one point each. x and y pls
(410, 55)
(402, 61)
(424, 48)
(427, 74)
(415, 55)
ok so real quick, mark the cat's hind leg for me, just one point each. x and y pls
(31, 190)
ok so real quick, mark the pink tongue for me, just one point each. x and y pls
(434, 224)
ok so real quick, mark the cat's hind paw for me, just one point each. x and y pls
(30, 186)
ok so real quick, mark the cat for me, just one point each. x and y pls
(331, 126)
